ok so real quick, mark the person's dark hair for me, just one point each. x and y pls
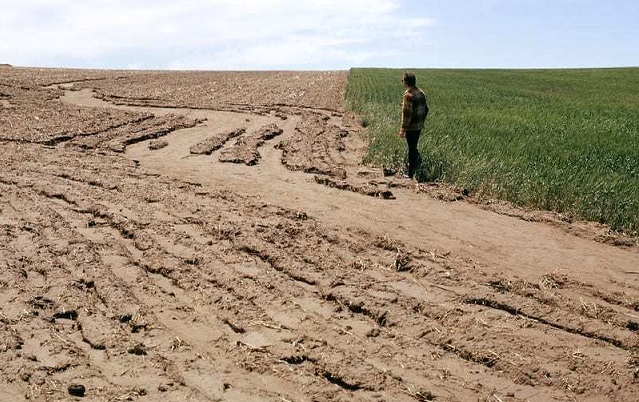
(409, 79)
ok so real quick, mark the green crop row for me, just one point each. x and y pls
(562, 140)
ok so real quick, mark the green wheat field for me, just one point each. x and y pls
(560, 140)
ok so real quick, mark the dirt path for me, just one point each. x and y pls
(161, 273)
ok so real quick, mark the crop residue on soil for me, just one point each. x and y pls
(137, 269)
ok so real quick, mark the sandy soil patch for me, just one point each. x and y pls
(133, 271)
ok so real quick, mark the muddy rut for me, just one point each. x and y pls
(164, 238)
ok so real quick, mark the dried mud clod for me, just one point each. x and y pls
(158, 144)
(215, 142)
(245, 150)
(371, 191)
(78, 390)
(316, 146)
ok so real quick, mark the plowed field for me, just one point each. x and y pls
(215, 237)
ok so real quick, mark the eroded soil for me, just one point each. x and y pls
(275, 266)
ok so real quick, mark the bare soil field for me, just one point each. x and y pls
(214, 236)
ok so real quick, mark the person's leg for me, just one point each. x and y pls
(412, 138)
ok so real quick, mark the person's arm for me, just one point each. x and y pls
(407, 113)
(426, 109)
(426, 112)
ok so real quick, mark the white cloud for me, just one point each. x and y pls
(206, 34)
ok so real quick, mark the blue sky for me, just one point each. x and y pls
(319, 34)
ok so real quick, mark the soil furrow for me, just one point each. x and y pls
(152, 274)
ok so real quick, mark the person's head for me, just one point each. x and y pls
(409, 79)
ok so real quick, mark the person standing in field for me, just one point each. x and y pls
(414, 112)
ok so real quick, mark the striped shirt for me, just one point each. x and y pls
(414, 109)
